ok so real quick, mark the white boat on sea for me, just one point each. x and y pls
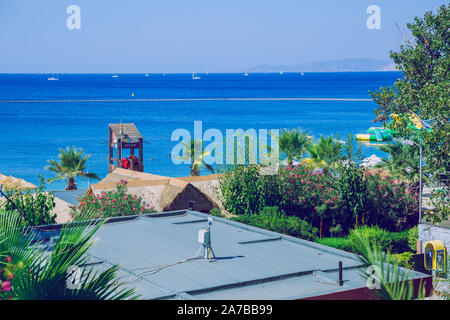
(195, 77)
(246, 74)
(115, 76)
(52, 79)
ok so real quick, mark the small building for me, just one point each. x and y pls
(159, 256)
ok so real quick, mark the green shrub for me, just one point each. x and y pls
(241, 189)
(273, 219)
(400, 242)
(338, 243)
(394, 242)
(271, 186)
(413, 235)
(216, 212)
(35, 208)
(404, 259)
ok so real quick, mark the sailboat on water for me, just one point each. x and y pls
(195, 77)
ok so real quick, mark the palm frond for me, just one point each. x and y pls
(45, 272)
(394, 282)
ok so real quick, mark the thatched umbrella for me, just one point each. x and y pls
(10, 182)
(371, 161)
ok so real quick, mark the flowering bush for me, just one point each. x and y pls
(392, 204)
(111, 204)
(309, 195)
(7, 271)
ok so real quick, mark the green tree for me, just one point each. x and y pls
(197, 160)
(71, 164)
(350, 181)
(293, 144)
(242, 190)
(403, 162)
(324, 154)
(424, 92)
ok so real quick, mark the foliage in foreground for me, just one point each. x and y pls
(388, 275)
(43, 275)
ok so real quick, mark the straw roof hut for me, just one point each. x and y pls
(165, 193)
(9, 182)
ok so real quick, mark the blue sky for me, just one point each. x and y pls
(195, 35)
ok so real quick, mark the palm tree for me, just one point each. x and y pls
(324, 154)
(71, 164)
(403, 162)
(293, 143)
(197, 162)
(43, 275)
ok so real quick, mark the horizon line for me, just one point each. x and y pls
(184, 99)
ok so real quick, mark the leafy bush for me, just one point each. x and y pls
(339, 243)
(241, 189)
(271, 186)
(352, 189)
(34, 208)
(404, 259)
(216, 212)
(413, 236)
(394, 242)
(273, 219)
(111, 204)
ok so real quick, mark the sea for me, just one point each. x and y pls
(38, 116)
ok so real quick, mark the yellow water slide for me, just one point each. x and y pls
(417, 122)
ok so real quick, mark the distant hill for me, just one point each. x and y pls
(346, 65)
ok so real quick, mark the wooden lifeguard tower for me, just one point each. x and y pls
(125, 136)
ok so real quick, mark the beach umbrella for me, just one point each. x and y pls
(371, 161)
(10, 182)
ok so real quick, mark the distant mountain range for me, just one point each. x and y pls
(346, 65)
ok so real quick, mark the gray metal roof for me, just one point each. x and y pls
(251, 263)
(69, 196)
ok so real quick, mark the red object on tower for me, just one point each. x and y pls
(125, 164)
